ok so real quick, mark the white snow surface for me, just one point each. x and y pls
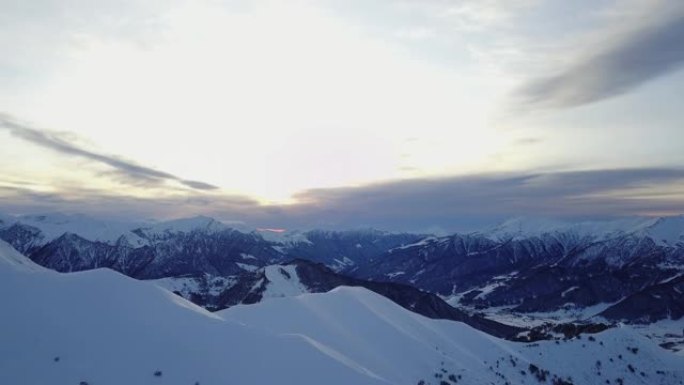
(403, 347)
(12, 260)
(283, 281)
(105, 328)
(247, 266)
(664, 332)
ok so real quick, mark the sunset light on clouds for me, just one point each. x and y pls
(274, 113)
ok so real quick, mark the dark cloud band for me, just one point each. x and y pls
(140, 175)
(650, 51)
(454, 203)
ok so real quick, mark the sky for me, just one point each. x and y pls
(395, 114)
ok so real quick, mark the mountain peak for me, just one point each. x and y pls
(54, 225)
(664, 230)
(185, 225)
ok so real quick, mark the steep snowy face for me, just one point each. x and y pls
(272, 281)
(282, 281)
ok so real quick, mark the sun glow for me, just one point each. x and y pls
(267, 102)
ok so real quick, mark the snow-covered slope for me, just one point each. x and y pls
(283, 281)
(404, 347)
(12, 261)
(99, 327)
(301, 277)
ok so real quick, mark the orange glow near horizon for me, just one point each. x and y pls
(272, 230)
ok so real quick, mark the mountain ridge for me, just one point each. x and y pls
(62, 330)
(547, 269)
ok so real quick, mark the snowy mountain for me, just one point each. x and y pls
(54, 225)
(402, 345)
(302, 276)
(100, 327)
(662, 301)
(667, 231)
(525, 264)
(182, 247)
(534, 272)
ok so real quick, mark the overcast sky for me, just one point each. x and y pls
(399, 114)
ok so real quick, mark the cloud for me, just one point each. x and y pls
(470, 202)
(615, 66)
(101, 203)
(453, 204)
(139, 175)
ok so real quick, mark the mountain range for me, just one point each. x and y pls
(626, 270)
(101, 327)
